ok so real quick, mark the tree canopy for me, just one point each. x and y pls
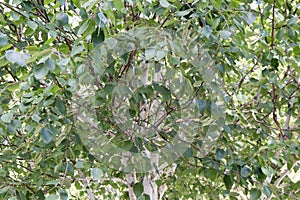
(153, 99)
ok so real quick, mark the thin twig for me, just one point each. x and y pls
(86, 184)
(273, 25)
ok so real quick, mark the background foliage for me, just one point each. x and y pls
(255, 46)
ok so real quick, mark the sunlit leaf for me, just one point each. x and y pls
(96, 173)
(17, 57)
(7, 117)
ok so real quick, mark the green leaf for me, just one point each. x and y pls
(225, 34)
(4, 189)
(161, 54)
(266, 171)
(77, 50)
(50, 64)
(36, 118)
(275, 63)
(254, 194)
(220, 153)
(140, 6)
(292, 21)
(201, 104)
(62, 2)
(46, 135)
(96, 173)
(6, 118)
(32, 25)
(150, 53)
(102, 20)
(40, 71)
(59, 104)
(38, 54)
(98, 37)
(216, 4)
(83, 27)
(77, 3)
(63, 194)
(188, 153)
(165, 92)
(183, 13)
(62, 18)
(164, 3)
(79, 165)
(3, 40)
(14, 86)
(210, 173)
(111, 42)
(245, 171)
(249, 17)
(52, 197)
(138, 189)
(228, 182)
(119, 5)
(267, 191)
(17, 57)
(88, 27)
(206, 31)
(123, 90)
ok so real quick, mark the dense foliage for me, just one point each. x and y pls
(48, 49)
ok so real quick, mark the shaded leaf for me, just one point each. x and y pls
(267, 190)
(201, 104)
(228, 182)
(245, 171)
(62, 18)
(3, 40)
(50, 64)
(138, 189)
(165, 92)
(220, 153)
(63, 194)
(254, 194)
(46, 135)
(59, 104)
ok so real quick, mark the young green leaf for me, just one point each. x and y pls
(119, 5)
